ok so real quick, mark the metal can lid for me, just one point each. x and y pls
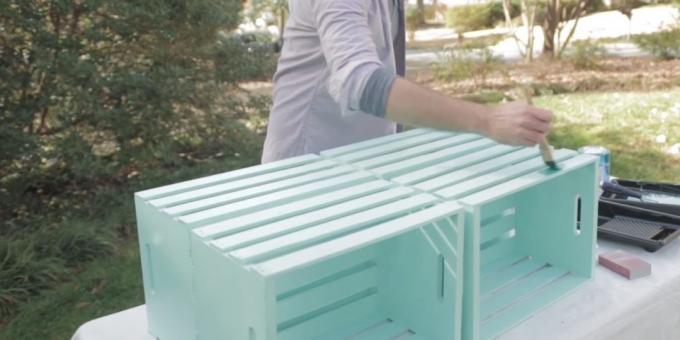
(594, 150)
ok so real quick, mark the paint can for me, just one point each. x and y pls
(605, 159)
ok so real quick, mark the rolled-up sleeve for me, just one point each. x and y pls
(350, 52)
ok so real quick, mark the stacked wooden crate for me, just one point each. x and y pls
(423, 234)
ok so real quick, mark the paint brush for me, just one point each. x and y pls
(544, 146)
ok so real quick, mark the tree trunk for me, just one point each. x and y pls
(529, 19)
(550, 23)
(421, 12)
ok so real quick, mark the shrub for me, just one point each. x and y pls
(586, 55)
(479, 16)
(246, 56)
(663, 45)
(469, 17)
(411, 18)
(453, 66)
(24, 272)
(95, 93)
(457, 65)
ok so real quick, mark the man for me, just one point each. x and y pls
(340, 80)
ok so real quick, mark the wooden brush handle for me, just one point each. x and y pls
(546, 151)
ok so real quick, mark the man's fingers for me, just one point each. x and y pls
(541, 114)
(536, 125)
(533, 136)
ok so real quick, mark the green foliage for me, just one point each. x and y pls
(627, 123)
(664, 45)
(36, 258)
(24, 272)
(107, 285)
(469, 17)
(479, 16)
(245, 56)
(458, 65)
(586, 55)
(97, 83)
(98, 97)
(412, 20)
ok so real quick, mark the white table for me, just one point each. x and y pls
(608, 307)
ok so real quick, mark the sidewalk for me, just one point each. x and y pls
(610, 24)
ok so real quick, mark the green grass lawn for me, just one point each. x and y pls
(106, 286)
(627, 123)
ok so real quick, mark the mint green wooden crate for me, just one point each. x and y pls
(530, 231)
(384, 265)
(166, 216)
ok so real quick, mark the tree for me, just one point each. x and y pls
(279, 8)
(421, 12)
(87, 86)
(528, 14)
(558, 13)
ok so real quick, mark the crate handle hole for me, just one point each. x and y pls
(442, 270)
(149, 265)
(251, 334)
(577, 224)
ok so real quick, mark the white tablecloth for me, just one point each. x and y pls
(608, 307)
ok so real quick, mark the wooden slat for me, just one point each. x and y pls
(356, 240)
(240, 184)
(322, 295)
(566, 165)
(386, 331)
(416, 151)
(454, 177)
(357, 328)
(223, 177)
(496, 228)
(393, 146)
(529, 305)
(373, 142)
(327, 320)
(323, 231)
(430, 171)
(254, 191)
(509, 275)
(501, 248)
(413, 163)
(496, 177)
(275, 198)
(285, 210)
(299, 222)
(501, 264)
(505, 297)
(443, 246)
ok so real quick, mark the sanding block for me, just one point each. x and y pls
(625, 264)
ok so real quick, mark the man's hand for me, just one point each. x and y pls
(514, 123)
(517, 123)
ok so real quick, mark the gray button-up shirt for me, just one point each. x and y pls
(331, 48)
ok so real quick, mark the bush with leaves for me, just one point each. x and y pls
(467, 64)
(586, 55)
(467, 18)
(88, 86)
(664, 45)
(95, 94)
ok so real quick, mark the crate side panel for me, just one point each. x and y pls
(421, 284)
(551, 228)
(231, 302)
(166, 263)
